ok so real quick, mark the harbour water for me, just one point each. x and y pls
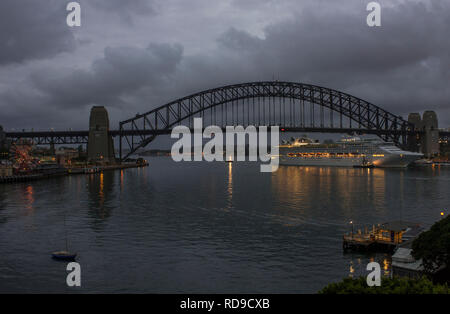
(205, 227)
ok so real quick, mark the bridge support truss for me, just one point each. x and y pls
(292, 106)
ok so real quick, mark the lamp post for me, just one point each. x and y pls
(351, 222)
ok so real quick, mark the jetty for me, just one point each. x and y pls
(382, 237)
(54, 171)
(21, 178)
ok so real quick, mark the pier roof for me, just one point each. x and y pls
(399, 225)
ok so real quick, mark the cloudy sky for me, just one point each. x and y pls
(132, 56)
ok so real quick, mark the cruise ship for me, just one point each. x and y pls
(348, 152)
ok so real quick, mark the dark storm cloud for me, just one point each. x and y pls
(124, 9)
(401, 66)
(316, 45)
(32, 29)
(118, 6)
(118, 73)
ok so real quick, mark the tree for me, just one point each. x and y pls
(396, 285)
(433, 246)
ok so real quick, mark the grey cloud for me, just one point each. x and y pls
(402, 66)
(32, 29)
(240, 41)
(27, 108)
(124, 9)
(120, 72)
(344, 42)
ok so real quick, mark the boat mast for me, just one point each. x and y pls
(65, 232)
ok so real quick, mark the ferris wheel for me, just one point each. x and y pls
(20, 156)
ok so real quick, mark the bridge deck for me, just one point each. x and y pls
(81, 137)
(114, 133)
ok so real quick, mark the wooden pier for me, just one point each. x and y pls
(383, 237)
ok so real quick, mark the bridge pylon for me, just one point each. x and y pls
(426, 138)
(100, 144)
(413, 142)
(430, 139)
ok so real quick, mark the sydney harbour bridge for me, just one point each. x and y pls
(294, 107)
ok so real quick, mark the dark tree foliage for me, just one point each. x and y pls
(433, 246)
(394, 285)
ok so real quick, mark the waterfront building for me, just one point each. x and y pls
(2, 135)
(404, 264)
(65, 155)
(6, 170)
(4, 145)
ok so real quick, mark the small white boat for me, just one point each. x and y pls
(423, 162)
(64, 255)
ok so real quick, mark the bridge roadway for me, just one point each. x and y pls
(81, 137)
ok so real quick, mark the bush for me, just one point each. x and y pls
(433, 246)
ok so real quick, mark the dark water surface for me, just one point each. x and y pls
(205, 227)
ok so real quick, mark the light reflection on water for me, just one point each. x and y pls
(230, 185)
(206, 227)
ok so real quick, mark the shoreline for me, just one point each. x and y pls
(68, 172)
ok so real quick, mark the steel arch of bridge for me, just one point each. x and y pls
(245, 101)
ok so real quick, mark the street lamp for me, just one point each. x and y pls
(351, 222)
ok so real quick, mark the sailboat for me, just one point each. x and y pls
(65, 255)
